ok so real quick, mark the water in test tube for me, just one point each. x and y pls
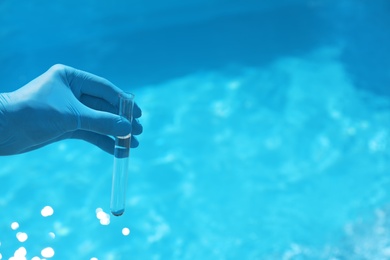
(121, 158)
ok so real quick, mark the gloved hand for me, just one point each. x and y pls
(63, 103)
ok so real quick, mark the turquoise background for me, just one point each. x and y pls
(266, 130)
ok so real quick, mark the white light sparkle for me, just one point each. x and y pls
(103, 217)
(20, 253)
(47, 211)
(125, 231)
(14, 225)
(21, 236)
(47, 252)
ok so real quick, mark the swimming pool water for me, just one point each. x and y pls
(288, 159)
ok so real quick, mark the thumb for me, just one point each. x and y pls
(104, 123)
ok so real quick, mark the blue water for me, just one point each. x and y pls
(266, 131)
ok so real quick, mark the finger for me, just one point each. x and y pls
(85, 83)
(103, 105)
(137, 128)
(82, 82)
(104, 142)
(98, 104)
(103, 122)
(134, 142)
(137, 111)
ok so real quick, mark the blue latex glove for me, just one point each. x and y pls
(63, 103)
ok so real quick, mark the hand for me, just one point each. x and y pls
(63, 103)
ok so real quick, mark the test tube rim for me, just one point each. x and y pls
(126, 95)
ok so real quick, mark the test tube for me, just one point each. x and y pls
(121, 158)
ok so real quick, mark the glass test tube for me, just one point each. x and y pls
(121, 158)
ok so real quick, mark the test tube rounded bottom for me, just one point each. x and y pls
(118, 213)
